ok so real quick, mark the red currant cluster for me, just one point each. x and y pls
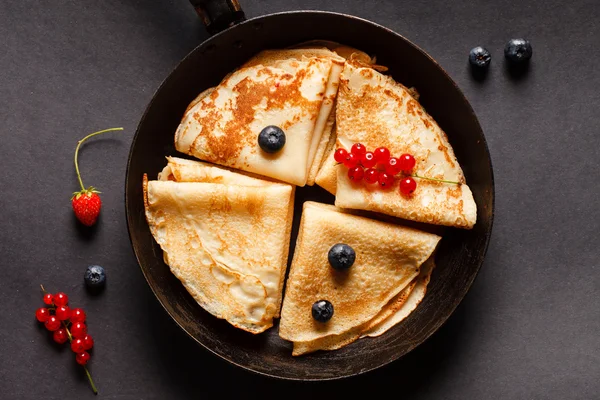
(67, 324)
(377, 167)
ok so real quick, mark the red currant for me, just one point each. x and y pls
(392, 167)
(406, 162)
(78, 330)
(60, 336)
(77, 315)
(340, 155)
(63, 313)
(48, 299)
(82, 358)
(385, 180)
(382, 155)
(356, 174)
(371, 175)
(88, 342)
(52, 323)
(368, 160)
(61, 299)
(351, 160)
(42, 314)
(77, 345)
(359, 149)
(407, 186)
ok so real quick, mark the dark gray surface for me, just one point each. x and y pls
(527, 330)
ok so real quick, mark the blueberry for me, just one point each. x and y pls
(518, 51)
(479, 57)
(322, 310)
(341, 256)
(271, 139)
(95, 277)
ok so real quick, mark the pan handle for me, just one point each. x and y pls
(218, 15)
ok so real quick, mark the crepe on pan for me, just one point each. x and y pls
(376, 111)
(397, 309)
(213, 238)
(285, 88)
(388, 258)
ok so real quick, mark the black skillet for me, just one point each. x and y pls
(460, 254)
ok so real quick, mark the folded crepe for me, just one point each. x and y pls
(293, 89)
(226, 242)
(376, 111)
(388, 259)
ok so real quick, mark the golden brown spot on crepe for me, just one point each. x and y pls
(214, 95)
(367, 73)
(411, 105)
(444, 150)
(426, 123)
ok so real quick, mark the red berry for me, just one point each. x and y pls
(60, 336)
(406, 162)
(48, 299)
(356, 174)
(60, 299)
(368, 160)
(385, 180)
(77, 345)
(82, 358)
(340, 155)
(77, 315)
(371, 175)
(359, 149)
(63, 313)
(351, 160)
(42, 314)
(392, 167)
(382, 155)
(52, 323)
(78, 330)
(88, 342)
(407, 185)
(86, 205)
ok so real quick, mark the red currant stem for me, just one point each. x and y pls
(434, 179)
(89, 376)
(43, 290)
(77, 151)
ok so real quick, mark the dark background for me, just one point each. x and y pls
(528, 329)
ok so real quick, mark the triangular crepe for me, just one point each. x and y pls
(376, 111)
(285, 88)
(388, 258)
(227, 243)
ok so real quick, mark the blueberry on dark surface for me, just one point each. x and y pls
(341, 256)
(322, 310)
(95, 277)
(479, 57)
(518, 51)
(271, 139)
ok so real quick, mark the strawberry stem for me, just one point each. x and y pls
(77, 151)
(434, 179)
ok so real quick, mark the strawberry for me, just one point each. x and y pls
(86, 202)
(86, 205)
